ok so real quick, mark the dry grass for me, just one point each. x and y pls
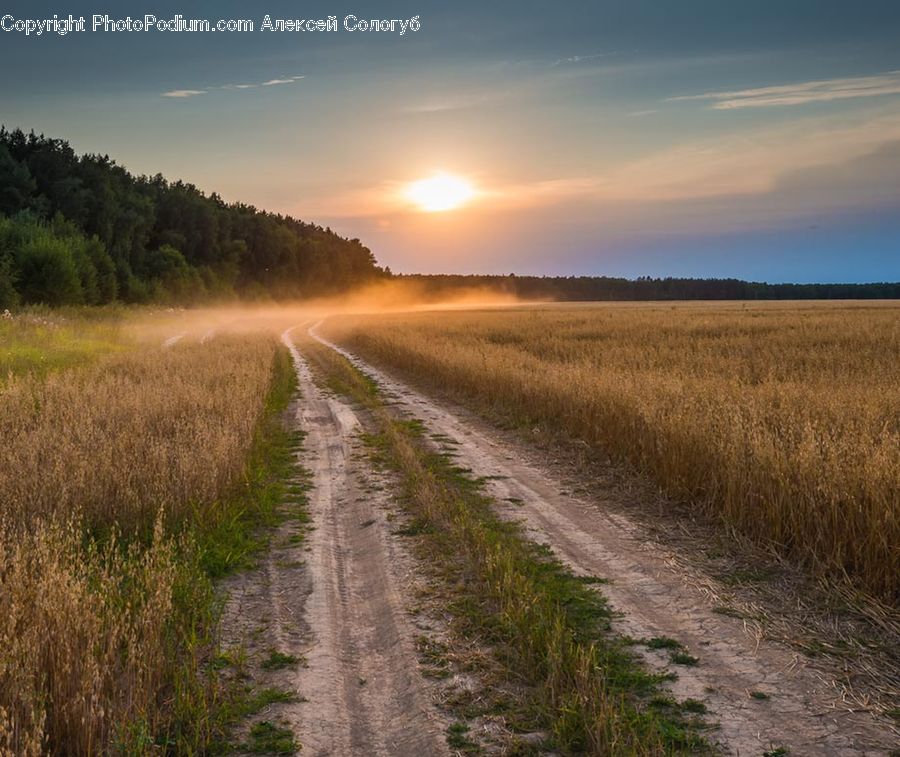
(104, 612)
(782, 420)
(117, 440)
(84, 640)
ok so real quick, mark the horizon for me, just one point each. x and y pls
(761, 144)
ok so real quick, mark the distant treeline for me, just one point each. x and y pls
(83, 230)
(598, 288)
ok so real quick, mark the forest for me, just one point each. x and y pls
(83, 230)
(646, 288)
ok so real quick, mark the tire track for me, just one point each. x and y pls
(173, 340)
(364, 692)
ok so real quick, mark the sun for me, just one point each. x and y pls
(443, 191)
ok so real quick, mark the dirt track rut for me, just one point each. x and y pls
(803, 711)
(337, 603)
(362, 682)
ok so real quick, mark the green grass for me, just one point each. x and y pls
(279, 661)
(458, 739)
(269, 738)
(259, 700)
(663, 642)
(38, 341)
(231, 533)
(678, 655)
(548, 629)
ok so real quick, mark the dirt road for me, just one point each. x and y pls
(338, 603)
(763, 695)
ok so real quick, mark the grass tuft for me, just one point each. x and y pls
(269, 738)
(279, 661)
(683, 658)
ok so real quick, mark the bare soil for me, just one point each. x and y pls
(338, 602)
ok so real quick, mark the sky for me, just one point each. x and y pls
(758, 140)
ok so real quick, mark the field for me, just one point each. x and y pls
(222, 531)
(42, 340)
(782, 420)
(124, 469)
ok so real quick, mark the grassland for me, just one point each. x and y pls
(129, 477)
(122, 438)
(39, 341)
(781, 420)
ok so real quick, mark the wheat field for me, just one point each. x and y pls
(783, 420)
(118, 440)
(107, 471)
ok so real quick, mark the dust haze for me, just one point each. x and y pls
(170, 325)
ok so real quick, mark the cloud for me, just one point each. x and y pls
(753, 162)
(740, 168)
(288, 80)
(824, 90)
(576, 59)
(184, 93)
(193, 92)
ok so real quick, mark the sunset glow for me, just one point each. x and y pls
(440, 192)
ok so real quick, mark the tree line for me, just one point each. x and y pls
(83, 230)
(606, 288)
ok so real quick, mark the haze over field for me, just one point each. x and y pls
(760, 141)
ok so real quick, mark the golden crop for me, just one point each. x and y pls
(118, 440)
(783, 420)
(94, 463)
